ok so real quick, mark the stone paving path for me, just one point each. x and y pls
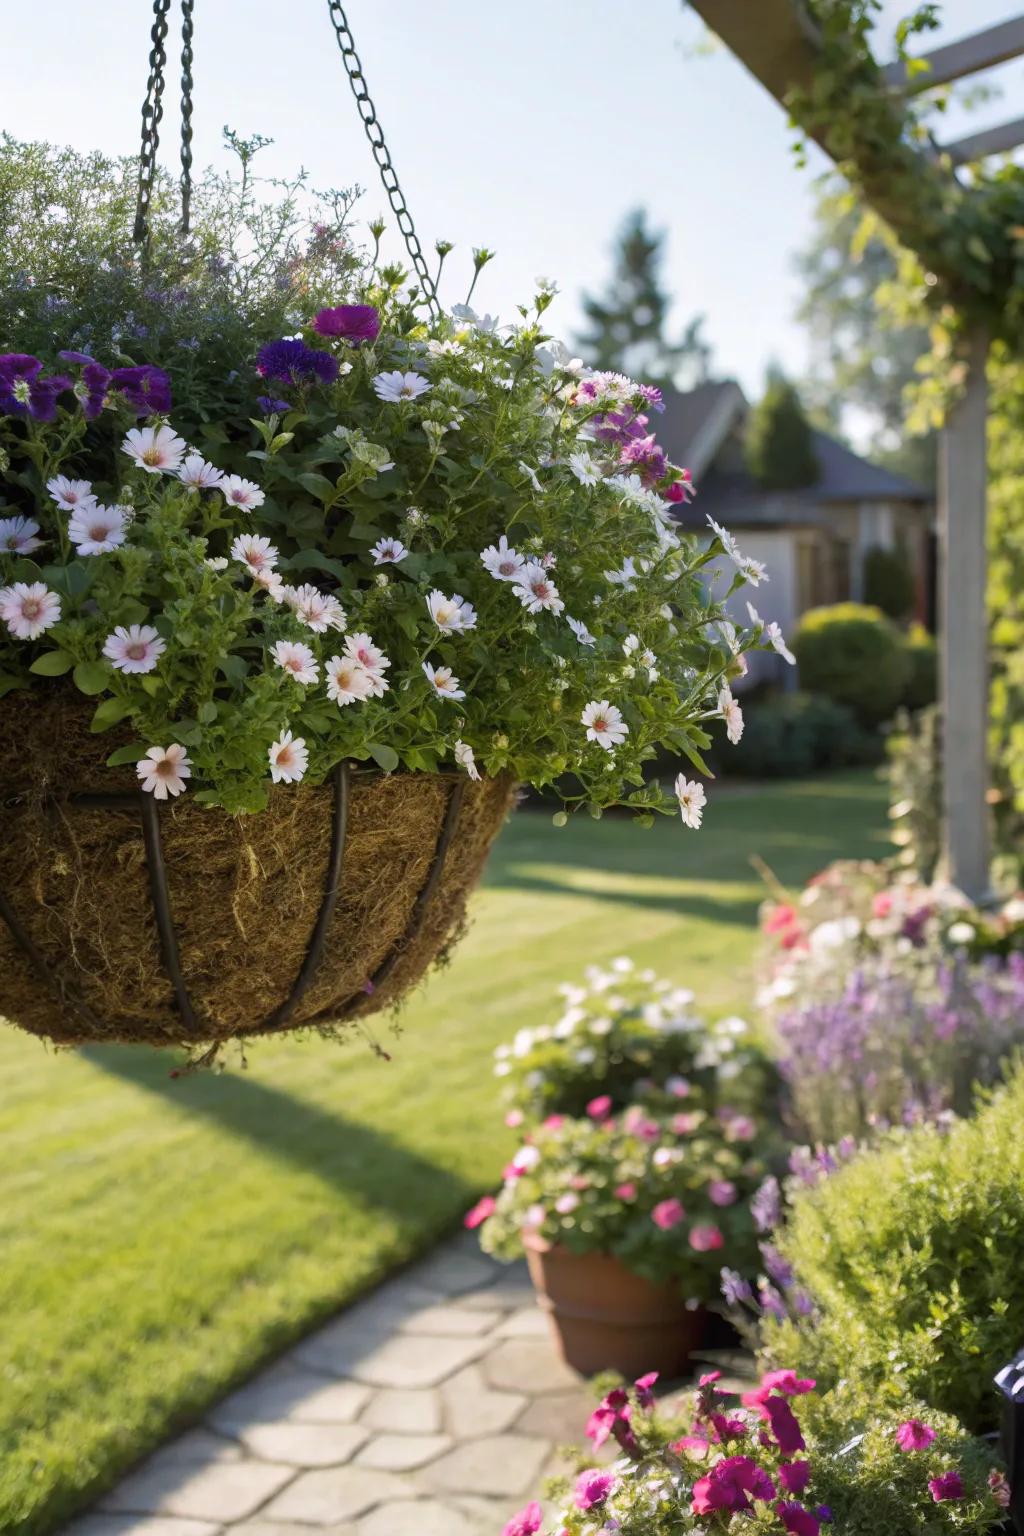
(432, 1408)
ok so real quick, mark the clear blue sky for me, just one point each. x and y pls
(529, 127)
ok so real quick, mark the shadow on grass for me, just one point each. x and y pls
(346, 1153)
(740, 913)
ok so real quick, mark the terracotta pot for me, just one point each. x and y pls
(603, 1317)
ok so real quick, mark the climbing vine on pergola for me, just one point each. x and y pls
(966, 230)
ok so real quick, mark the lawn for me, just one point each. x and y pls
(163, 1236)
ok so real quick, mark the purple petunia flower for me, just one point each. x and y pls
(268, 405)
(292, 362)
(593, 1487)
(352, 322)
(145, 388)
(948, 1485)
(23, 389)
(91, 389)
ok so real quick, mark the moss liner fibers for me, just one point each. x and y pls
(245, 891)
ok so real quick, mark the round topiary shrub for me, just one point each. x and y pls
(796, 734)
(913, 1255)
(855, 655)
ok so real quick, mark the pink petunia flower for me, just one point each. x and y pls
(722, 1192)
(593, 1488)
(795, 1475)
(600, 1108)
(787, 1382)
(797, 1520)
(527, 1522)
(480, 1212)
(705, 1238)
(668, 1214)
(625, 1191)
(912, 1435)
(947, 1486)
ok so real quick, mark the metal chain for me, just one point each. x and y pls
(187, 7)
(375, 134)
(152, 112)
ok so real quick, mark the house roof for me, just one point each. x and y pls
(696, 424)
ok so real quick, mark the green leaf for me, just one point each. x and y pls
(317, 485)
(110, 712)
(385, 758)
(129, 754)
(52, 664)
(92, 676)
(207, 712)
(234, 668)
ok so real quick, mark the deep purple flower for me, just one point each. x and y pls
(785, 1425)
(292, 362)
(352, 322)
(643, 456)
(652, 395)
(146, 389)
(91, 389)
(593, 1487)
(619, 427)
(269, 406)
(23, 389)
(797, 1520)
(795, 1475)
(948, 1485)
(776, 1267)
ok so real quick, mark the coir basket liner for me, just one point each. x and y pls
(125, 919)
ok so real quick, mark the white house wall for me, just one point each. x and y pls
(775, 599)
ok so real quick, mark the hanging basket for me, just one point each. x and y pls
(126, 919)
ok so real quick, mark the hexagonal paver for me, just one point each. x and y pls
(525, 1323)
(404, 1413)
(506, 1465)
(454, 1270)
(413, 1360)
(451, 1318)
(528, 1365)
(472, 1408)
(365, 1325)
(560, 1416)
(278, 1394)
(343, 1493)
(512, 1288)
(135, 1525)
(339, 1402)
(305, 1445)
(402, 1453)
(289, 1528)
(424, 1518)
(222, 1491)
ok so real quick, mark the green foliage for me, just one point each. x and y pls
(640, 1187)
(888, 581)
(624, 1032)
(1006, 598)
(923, 654)
(914, 749)
(794, 734)
(779, 448)
(626, 328)
(912, 1253)
(872, 1486)
(854, 655)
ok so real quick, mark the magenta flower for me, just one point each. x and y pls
(787, 1382)
(704, 1238)
(948, 1485)
(785, 1426)
(600, 1108)
(644, 1386)
(625, 1191)
(912, 1435)
(644, 456)
(593, 1487)
(668, 1214)
(352, 322)
(722, 1192)
(480, 1212)
(797, 1520)
(795, 1475)
(527, 1522)
(730, 1485)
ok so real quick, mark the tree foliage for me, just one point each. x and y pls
(627, 325)
(779, 446)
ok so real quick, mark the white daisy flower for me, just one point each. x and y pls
(28, 608)
(580, 630)
(69, 494)
(452, 615)
(443, 682)
(18, 535)
(584, 468)
(625, 575)
(503, 562)
(97, 530)
(255, 552)
(136, 648)
(289, 758)
(272, 583)
(754, 571)
(466, 760)
(773, 633)
(372, 660)
(450, 348)
(648, 659)
(604, 724)
(388, 552)
(692, 800)
(319, 611)
(163, 771)
(630, 644)
(198, 475)
(217, 562)
(297, 659)
(536, 591)
(348, 682)
(725, 538)
(238, 492)
(731, 714)
(155, 449)
(397, 386)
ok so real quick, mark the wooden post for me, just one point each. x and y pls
(963, 624)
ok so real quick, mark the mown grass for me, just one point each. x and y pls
(162, 1236)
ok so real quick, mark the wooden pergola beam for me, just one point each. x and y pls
(988, 141)
(982, 50)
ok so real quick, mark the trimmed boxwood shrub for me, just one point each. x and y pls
(853, 655)
(914, 1256)
(799, 733)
